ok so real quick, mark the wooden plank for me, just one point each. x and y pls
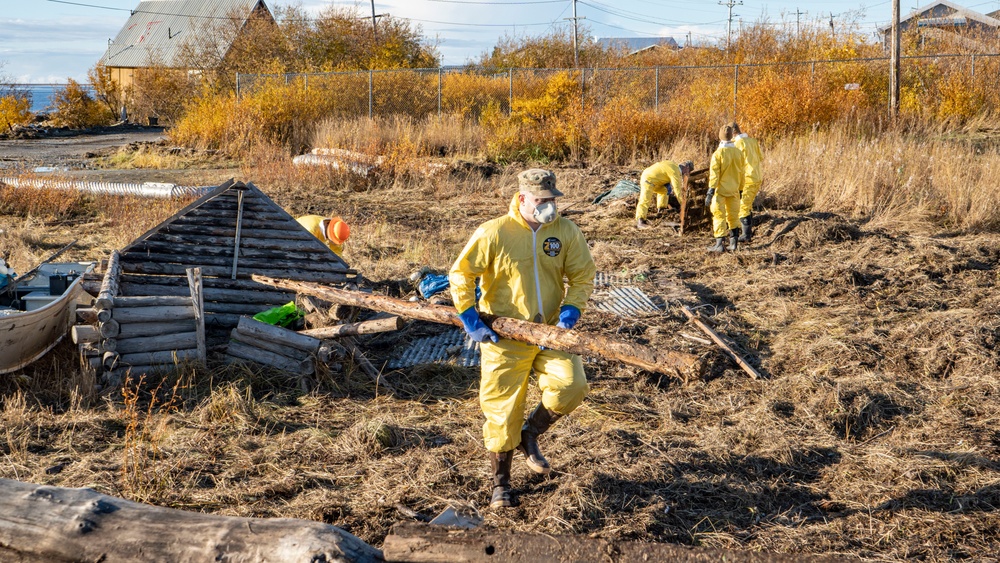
(218, 271)
(152, 314)
(658, 360)
(387, 324)
(169, 357)
(109, 286)
(278, 335)
(152, 301)
(158, 343)
(715, 338)
(133, 330)
(286, 351)
(230, 232)
(264, 357)
(198, 304)
(284, 245)
(217, 295)
(163, 247)
(314, 263)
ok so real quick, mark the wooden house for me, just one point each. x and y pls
(944, 17)
(157, 30)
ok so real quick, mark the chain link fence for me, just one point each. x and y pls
(470, 91)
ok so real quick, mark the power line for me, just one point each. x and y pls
(498, 3)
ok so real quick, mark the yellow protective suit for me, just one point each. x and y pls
(314, 224)
(521, 276)
(654, 180)
(726, 177)
(753, 171)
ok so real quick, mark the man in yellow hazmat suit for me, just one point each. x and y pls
(663, 179)
(521, 260)
(332, 231)
(753, 175)
(725, 182)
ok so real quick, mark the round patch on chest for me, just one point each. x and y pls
(552, 246)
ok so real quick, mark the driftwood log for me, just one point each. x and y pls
(667, 362)
(424, 543)
(60, 525)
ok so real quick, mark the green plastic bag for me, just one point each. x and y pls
(284, 316)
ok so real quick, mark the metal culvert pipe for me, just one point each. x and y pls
(146, 189)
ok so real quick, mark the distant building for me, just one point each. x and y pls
(157, 30)
(634, 45)
(945, 17)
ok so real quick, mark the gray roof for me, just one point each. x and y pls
(157, 29)
(945, 14)
(633, 44)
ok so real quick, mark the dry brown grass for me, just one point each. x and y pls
(872, 435)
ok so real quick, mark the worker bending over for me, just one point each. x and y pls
(663, 179)
(331, 231)
(521, 260)
(725, 182)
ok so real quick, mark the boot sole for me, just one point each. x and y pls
(534, 467)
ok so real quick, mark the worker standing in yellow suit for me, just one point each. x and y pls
(662, 179)
(753, 175)
(521, 260)
(331, 231)
(725, 182)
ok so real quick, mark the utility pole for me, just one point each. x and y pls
(576, 50)
(798, 13)
(688, 39)
(894, 63)
(374, 29)
(729, 29)
(832, 32)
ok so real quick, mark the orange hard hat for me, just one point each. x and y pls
(337, 230)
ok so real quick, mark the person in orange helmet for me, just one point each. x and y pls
(332, 231)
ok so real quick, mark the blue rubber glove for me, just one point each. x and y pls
(568, 315)
(474, 326)
(708, 198)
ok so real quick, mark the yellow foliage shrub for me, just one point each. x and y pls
(75, 107)
(14, 110)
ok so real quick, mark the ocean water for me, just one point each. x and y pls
(41, 94)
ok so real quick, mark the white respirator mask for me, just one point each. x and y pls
(545, 213)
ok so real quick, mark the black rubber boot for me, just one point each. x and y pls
(500, 462)
(733, 236)
(538, 422)
(746, 228)
(719, 246)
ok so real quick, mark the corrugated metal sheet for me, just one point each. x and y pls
(157, 29)
(624, 302)
(430, 349)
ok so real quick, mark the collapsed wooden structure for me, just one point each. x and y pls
(178, 290)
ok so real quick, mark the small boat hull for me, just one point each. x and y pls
(26, 336)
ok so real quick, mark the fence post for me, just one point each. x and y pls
(305, 82)
(656, 91)
(813, 65)
(583, 88)
(237, 86)
(736, 88)
(510, 91)
(440, 80)
(973, 65)
(371, 93)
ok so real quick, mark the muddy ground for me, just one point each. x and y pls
(871, 434)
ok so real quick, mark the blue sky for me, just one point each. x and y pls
(48, 41)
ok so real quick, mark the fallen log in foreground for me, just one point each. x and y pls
(656, 360)
(416, 543)
(56, 525)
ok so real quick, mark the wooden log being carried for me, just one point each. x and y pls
(60, 525)
(667, 362)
